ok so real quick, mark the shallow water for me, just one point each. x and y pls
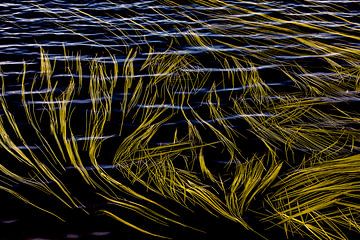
(91, 26)
(94, 28)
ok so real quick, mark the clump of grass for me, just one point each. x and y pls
(318, 201)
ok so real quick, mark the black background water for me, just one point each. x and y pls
(27, 25)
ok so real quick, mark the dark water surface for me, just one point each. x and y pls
(94, 28)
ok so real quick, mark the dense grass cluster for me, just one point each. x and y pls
(304, 169)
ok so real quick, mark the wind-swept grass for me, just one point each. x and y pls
(318, 201)
(171, 130)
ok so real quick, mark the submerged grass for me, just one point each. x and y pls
(303, 173)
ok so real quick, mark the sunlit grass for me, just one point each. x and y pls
(304, 173)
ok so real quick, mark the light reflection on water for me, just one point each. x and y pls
(93, 26)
